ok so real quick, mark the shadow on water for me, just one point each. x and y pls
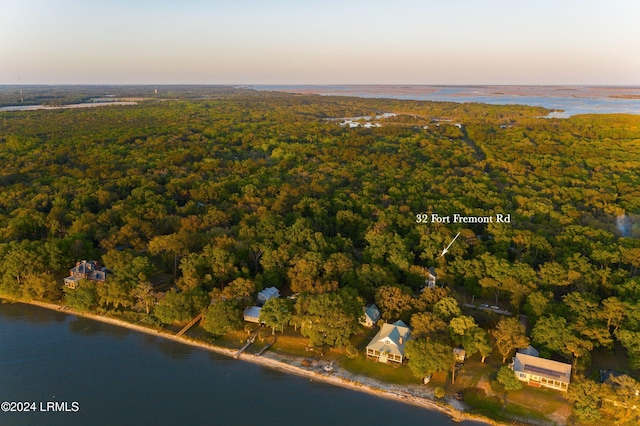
(171, 349)
(87, 327)
(16, 311)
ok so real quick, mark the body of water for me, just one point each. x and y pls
(121, 377)
(71, 106)
(572, 100)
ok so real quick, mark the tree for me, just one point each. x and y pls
(426, 324)
(509, 335)
(508, 379)
(221, 261)
(126, 267)
(621, 400)
(394, 302)
(614, 311)
(578, 347)
(191, 267)
(115, 293)
(40, 286)
(585, 395)
(176, 245)
(460, 325)
(305, 275)
(330, 319)
(143, 297)
(84, 297)
(631, 341)
(537, 304)
(551, 331)
(426, 357)
(180, 307)
(221, 317)
(477, 340)
(447, 308)
(239, 288)
(276, 312)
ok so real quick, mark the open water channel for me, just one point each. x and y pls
(118, 376)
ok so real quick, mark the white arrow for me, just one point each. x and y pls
(447, 248)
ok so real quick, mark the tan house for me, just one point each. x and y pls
(541, 372)
(84, 270)
(388, 344)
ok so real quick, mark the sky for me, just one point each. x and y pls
(542, 42)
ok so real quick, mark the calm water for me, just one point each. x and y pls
(572, 100)
(121, 377)
(72, 106)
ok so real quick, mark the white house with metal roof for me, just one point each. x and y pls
(370, 316)
(252, 314)
(388, 344)
(539, 372)
(268, 293)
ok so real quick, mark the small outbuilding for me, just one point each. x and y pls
(252, 314)
(370, 316)
(430, 282)
(459, 354)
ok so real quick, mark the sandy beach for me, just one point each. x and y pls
(415, 395)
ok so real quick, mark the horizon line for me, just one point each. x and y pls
(246, 85)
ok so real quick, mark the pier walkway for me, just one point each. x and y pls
(188, 326)
(250, 341)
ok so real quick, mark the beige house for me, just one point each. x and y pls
(388, 344)
(540, 372)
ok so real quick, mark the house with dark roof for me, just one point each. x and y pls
(541, 372)
(84, 270)
(388, 344)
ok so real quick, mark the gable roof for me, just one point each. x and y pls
(268, 293)
(542, 367)
(391, 338)
(530, 350)
(372, 312)
(252, 312)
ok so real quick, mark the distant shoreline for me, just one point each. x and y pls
(68, 106)
(561, 101)
(270, 361)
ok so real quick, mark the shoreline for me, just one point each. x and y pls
(286, 364)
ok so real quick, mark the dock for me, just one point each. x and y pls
(188, 326)
(250, 340)
(267, 346)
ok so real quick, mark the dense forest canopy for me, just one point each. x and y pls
(245, 190)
